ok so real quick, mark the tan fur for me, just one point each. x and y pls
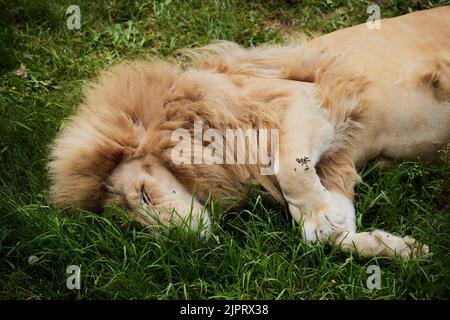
(363, 76)
(132, 110)
(105, 131)
(338, 101)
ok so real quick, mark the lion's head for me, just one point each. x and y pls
(117, 147)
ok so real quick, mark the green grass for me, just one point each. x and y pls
(254, 254)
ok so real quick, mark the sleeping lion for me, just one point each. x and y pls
(332, 103)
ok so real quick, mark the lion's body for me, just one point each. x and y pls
(405, 66)
(338, 101)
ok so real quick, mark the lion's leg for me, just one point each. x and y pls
(325, 214)
(380, 243)
(301, 147)
(335, 224)
(367, 244)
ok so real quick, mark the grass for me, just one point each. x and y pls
(254, 254)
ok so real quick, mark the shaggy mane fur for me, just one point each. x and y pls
(132, 110)
(340, 92)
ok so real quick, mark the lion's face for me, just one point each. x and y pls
(152, 193)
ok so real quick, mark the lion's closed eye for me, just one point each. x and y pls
(144, 197)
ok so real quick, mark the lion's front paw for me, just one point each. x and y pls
(406, 247)
(413, 248)
(324, 224)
